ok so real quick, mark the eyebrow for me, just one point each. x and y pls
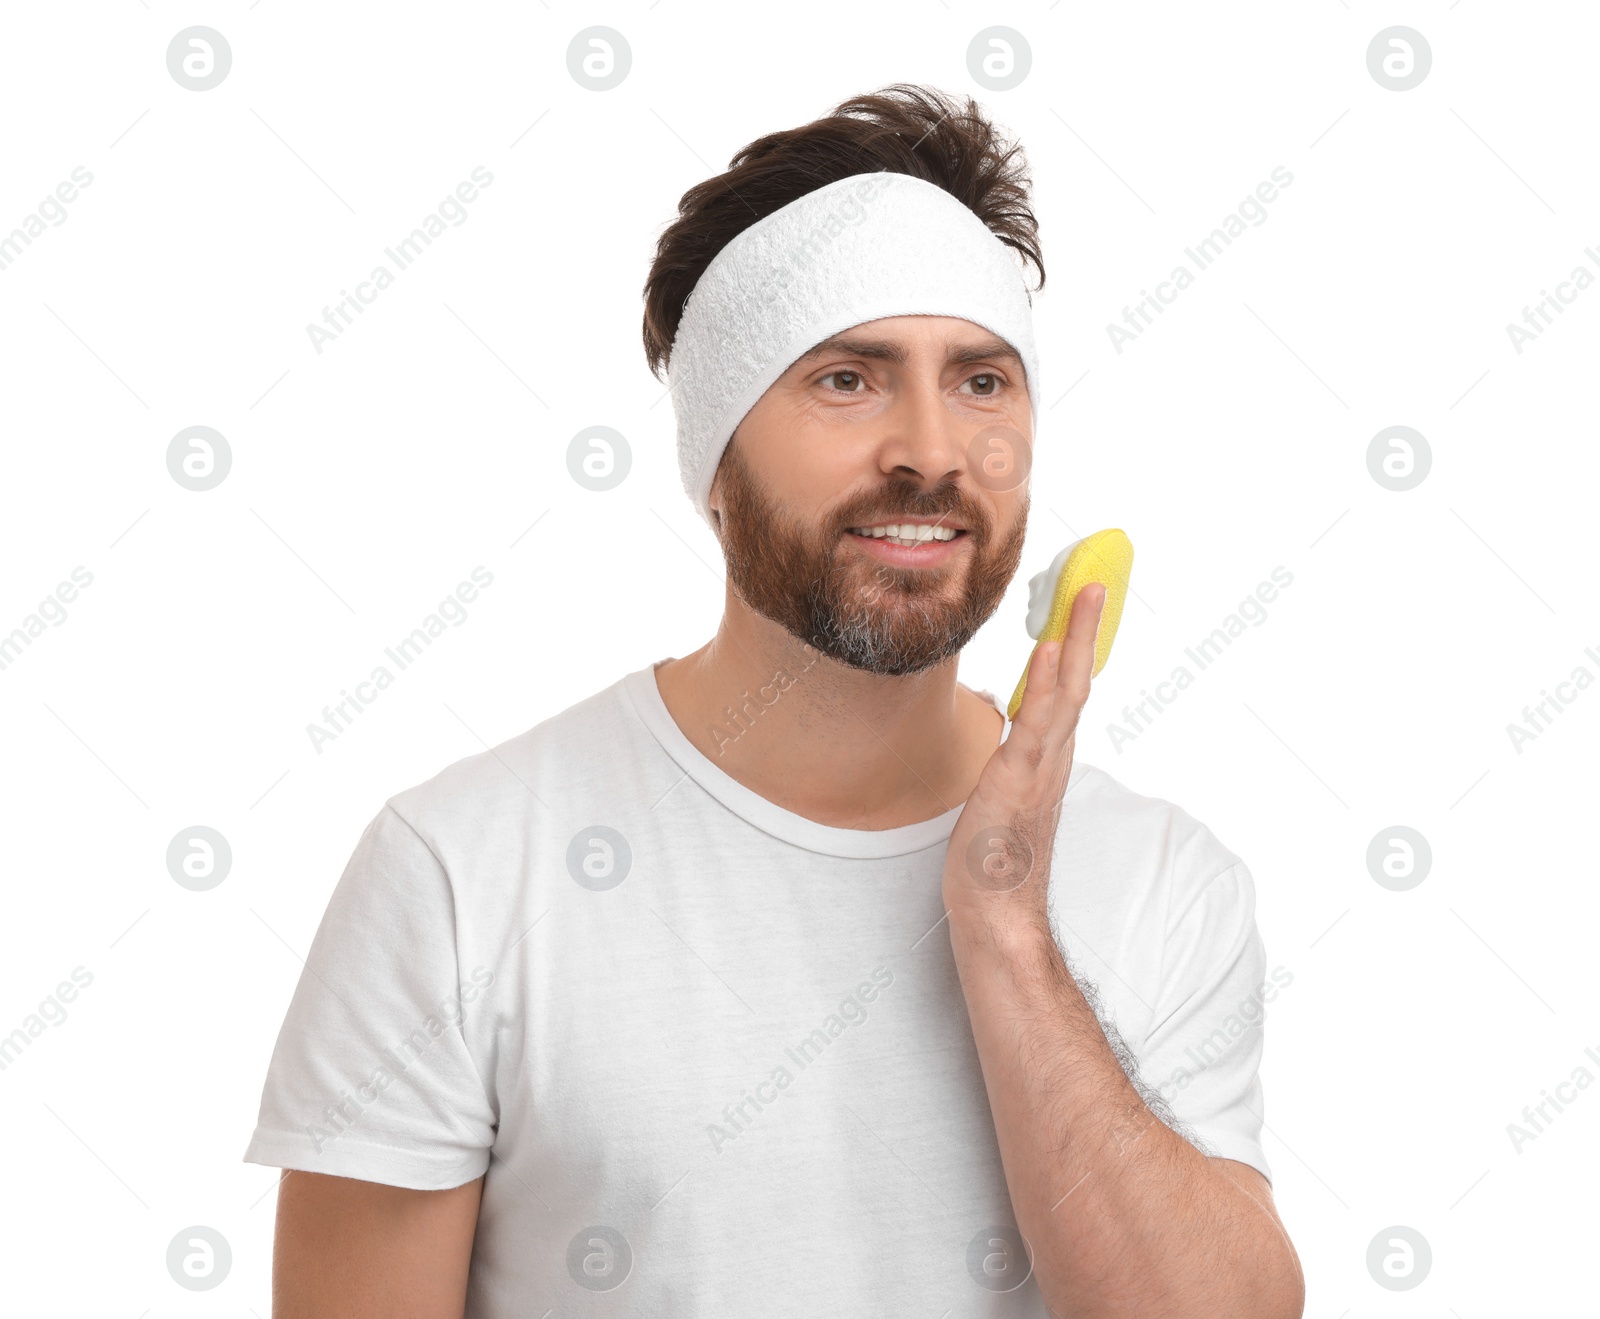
(888, 350)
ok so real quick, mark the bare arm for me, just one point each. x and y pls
(348, 1249)
(1122, 1216)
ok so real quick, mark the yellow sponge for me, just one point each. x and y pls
(1105, 557)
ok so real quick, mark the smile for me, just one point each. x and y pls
(909, 544)
(909, 534)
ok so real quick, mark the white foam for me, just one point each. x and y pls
(1042, 591)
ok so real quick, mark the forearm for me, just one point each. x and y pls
(1124, 1216)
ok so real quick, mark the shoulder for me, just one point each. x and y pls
(1148, 903)
(493, 791)
(1141, 854)
(1111, 814)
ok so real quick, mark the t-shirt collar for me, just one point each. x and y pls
(644, 697)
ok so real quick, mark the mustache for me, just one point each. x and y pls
(947, 505)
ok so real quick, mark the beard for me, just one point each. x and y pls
(870, 615)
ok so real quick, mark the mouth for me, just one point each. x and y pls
(909, 543)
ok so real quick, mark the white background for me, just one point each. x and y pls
(369, 479)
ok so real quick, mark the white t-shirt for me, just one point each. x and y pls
(713, 1056)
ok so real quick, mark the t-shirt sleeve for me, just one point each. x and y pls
(1202, 1053)
(371, 1076)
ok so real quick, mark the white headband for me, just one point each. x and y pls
(861, 248)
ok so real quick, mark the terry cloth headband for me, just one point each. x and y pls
(861, 248)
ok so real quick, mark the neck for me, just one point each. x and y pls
(837, 745)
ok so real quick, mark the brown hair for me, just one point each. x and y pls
(901, 128)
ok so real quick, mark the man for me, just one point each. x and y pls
(764, 981)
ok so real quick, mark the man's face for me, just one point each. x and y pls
(878, 426)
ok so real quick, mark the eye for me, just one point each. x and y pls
(985, 384)
(849, 382)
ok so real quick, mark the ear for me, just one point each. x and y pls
(714, 495)
(714, 502)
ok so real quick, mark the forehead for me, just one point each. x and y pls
(898, 338)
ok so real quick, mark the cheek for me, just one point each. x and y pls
(1008, 523)
(808, 463)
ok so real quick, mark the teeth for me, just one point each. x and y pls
(909, 533)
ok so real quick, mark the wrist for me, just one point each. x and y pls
(1017, 931)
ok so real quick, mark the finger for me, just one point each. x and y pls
(1028, 729)
(1077, 660)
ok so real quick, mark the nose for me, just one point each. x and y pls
(925, 440)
